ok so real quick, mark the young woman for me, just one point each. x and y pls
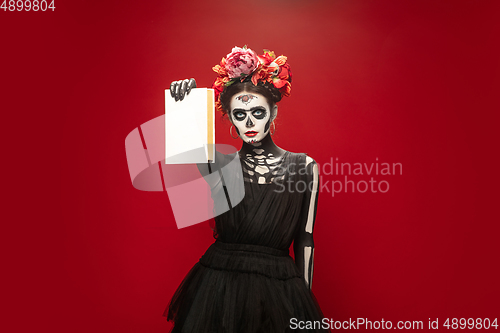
(247, 281)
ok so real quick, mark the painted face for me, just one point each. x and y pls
(251, 116)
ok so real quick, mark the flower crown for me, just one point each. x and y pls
(243, 63)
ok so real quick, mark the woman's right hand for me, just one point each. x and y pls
(179, 89)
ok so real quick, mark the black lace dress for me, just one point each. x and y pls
(246, 281)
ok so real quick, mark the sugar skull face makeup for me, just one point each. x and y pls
(251, 116)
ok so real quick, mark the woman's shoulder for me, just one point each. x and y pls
(302, 156)
(304, 164)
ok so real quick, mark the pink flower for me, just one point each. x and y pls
(241, 61)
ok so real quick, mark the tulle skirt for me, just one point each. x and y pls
(242, 288)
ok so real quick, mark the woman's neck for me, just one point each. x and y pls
(264, 147)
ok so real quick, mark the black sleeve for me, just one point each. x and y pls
(303, 245)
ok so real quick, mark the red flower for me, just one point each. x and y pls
(281, 60)
(243, 62)
(285, 91)
(285, 72)
(266, 59)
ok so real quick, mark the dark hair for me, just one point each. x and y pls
(268, 90)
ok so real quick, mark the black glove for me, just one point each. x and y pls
(179, 89)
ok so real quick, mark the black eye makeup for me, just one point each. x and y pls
(239, 115)
(258, 112)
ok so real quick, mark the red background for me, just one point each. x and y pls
(410, 82)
